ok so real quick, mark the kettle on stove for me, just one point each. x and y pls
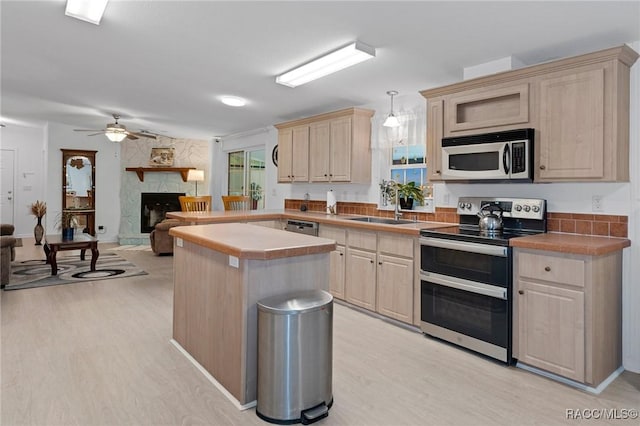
(490, 221)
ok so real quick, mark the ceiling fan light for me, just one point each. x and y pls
(86, 10)
(116, 136)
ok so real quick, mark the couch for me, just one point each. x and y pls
(7, 253)
(161, 241)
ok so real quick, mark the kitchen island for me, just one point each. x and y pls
(220, 272)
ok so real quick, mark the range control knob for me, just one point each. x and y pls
(518, 207)
(535, 209)
(467, 205)
(527, 208)
(461, 205)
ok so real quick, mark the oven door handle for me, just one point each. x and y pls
(465, 285)
(463, 246)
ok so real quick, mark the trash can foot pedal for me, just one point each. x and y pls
(314, 414)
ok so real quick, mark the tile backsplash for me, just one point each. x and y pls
(572, 223)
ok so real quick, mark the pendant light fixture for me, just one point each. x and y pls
(392, 120)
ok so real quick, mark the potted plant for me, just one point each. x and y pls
(38, 209)
(67, 222)
(255, 190)
(407, 193)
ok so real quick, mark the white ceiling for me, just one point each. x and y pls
(162, 64)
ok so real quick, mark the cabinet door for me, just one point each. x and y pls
(487, 107)
(336, 272)
(340, 163)
(360, 282)
(551, 329)
(572, 126)
(319, 151)
(395, 288)
(300, 157)
(435, 132)
(285, 155)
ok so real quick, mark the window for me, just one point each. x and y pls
(247, 166)
(408, 164)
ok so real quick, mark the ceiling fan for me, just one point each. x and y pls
(118, 132)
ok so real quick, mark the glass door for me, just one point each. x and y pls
(247, 175)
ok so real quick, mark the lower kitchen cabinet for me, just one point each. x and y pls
(360, 285)
(337, 258)
(395, 287)
(336, 274)
(567, 313)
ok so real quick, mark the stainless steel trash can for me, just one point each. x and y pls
(295, 346)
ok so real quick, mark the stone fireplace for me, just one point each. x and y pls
(154, 206)
(135, 225)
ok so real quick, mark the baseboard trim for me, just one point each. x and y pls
(216, 383)
(596, 391)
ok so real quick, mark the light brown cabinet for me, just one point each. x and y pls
(579, 107)
(293, 154)
(337, 268)
(567, 313)
(580, 135)
(435, 133)
(379, 273)
(338, 147)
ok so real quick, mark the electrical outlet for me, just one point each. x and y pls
(597, 204)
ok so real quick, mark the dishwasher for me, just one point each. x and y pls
(302, 227)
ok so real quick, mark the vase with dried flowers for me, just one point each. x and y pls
(38, 209)
(67, 222)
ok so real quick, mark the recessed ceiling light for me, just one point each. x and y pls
(233, 101)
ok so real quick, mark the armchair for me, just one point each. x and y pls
(161, 241)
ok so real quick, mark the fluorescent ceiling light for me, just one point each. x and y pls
(86, 10)
(337, 60)
(233, 101)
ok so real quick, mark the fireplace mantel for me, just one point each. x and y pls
(140, 171)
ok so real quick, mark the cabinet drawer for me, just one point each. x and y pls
(395, 244)
(332, 233)
(560, 270)
(362, 239)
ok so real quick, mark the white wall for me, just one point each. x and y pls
(28, 144)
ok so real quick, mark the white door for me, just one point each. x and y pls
(7, 191)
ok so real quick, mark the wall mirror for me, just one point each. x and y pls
(78, 186)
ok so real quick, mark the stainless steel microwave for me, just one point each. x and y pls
(496, 156)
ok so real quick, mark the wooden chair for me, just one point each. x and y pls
(236, 202)
(201, 203)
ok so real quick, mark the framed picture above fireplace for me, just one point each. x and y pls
(161, 157)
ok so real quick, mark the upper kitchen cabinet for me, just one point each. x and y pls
(579, 107)
(338, 149)
(293, 154)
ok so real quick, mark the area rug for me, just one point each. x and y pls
(36, 273)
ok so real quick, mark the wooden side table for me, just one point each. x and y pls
(54, 243)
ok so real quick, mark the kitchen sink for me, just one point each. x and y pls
(382, 220)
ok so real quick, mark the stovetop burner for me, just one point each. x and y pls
(521, 217)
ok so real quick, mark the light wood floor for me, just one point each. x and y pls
(99, 354)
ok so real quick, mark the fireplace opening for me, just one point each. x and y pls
(154, 206)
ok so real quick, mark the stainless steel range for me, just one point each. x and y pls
(466, 272)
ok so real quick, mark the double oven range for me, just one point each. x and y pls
(466, 274)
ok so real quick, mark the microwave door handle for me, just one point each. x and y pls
(506, 158)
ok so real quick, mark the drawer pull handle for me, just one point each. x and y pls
(520, 291)
(542, 167)
(547, 268)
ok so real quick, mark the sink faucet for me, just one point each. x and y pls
(397, 214)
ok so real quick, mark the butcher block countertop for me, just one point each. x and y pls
(412, 228)
(571, 243)
(247, 241)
